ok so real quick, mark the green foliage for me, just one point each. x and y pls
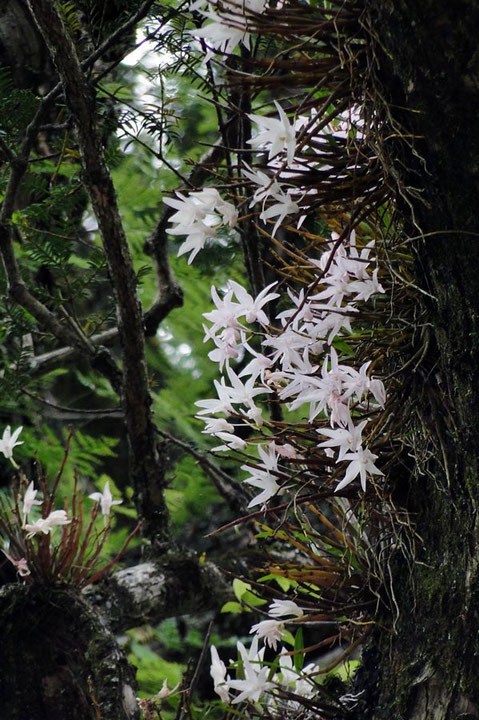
(87, 452)
(17, 108)
(70, 18)
(190, 493)
(152, 669)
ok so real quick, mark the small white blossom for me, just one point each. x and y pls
(216, 425)
(360, 463)
(218, 673)
(231, 442)
(197, 235)
(252, 308)
(267, 185)
(266, 483)
(347, 440)
(255, 682)
(270, 630)
(9, 441)
(224, 33)
(366, 287)
(285, 205)
(29, 501)
(222, 404)
(359, 383)
(283, 608)
(105, 499)
(278, 135)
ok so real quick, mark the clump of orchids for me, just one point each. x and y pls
(297, 362)
(28, 528)
(297, 359)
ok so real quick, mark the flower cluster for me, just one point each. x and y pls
(229, 26)
(27, 526)
(300, 364)
(289, 347)
(257, 678)
(198, 216)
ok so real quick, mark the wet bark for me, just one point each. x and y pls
(428, 74)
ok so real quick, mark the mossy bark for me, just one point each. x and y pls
(58, 660)
(428, 80)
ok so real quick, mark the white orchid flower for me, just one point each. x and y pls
(105, 499)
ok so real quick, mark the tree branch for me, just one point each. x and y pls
(232, 493)
(146, 462)
(151, 592)
(47, 320)
(46, 362)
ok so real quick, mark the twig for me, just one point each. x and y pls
(232, 493)
(79, 411)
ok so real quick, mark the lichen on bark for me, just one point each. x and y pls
(58, 659)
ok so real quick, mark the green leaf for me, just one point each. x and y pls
(251, 599)
(298, 645)
(346, 670)
(288, 637)
(284, 583)
(240, 588)
(232, 607)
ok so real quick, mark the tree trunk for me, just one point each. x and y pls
(58, 659)
(428, 74)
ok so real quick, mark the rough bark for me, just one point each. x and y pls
(22, 49)
(59, 660)
(152, 592)
(58, 657)
(428, 74)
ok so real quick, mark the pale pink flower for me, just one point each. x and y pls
(20, 565)
(288, 451)
(44, 525)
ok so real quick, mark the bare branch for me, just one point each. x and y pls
(46, 362)
(232, 492)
